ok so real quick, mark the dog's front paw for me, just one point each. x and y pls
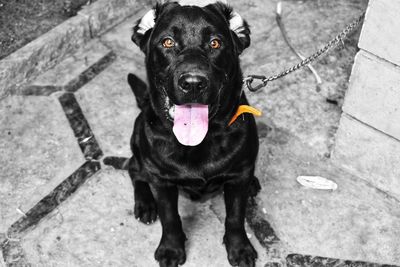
(170, 253)
(145, 211)
(240, 251)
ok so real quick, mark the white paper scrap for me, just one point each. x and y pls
(317, 182)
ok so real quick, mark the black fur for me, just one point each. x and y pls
(225, 159)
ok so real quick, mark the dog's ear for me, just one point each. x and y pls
(145, 25)
(143, 28)
(239, 27)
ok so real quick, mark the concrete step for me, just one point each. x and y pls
(74, 71)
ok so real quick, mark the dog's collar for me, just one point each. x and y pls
(244, 109)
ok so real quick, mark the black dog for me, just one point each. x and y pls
(181, 138)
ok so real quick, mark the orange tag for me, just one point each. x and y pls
(244, 109)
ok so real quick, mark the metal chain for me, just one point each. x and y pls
(333, 43)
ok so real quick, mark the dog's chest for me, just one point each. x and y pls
(222, 156)
(194, 166)
(198, 163)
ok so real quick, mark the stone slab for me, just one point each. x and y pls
(374, 94)
(356, 222)
(2, 263)
(96, 227)
(104, 14)
(381, 31)
(370, 154)
(38, 150)
(13, 253)
(74, 70)
(52, 200)
(119, 38)
(110, 107)
(42, 54)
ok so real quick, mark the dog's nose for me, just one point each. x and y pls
(192, 82)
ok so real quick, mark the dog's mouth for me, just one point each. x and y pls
(190, 121)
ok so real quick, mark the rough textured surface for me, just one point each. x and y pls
(374, 94)
(110, 107)
(42, 54)
(70, 73)
(369, 144)
(45, 52)
(292, 102)
(38, 151)
(381, 33)
(105, 14)
(2, 263)
(23, 21)
(14, 254)
(108, 233)
(355, 222)
(52, 200)
(294, 260)
(83, 133)
(119, 38)
(372, 155)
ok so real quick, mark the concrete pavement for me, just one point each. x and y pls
(66, 137)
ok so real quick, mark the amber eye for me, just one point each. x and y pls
(215, 44)
(168, 43)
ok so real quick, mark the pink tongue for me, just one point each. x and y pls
(190, 124)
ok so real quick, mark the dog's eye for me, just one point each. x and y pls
(215, 43)
(168, 43)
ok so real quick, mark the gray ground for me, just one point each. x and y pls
(95, 226)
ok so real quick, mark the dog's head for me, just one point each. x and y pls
(192, 64)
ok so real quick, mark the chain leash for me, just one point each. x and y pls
(331, 44)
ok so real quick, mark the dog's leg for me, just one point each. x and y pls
(171, 250)
(145, 206)
(239, 249)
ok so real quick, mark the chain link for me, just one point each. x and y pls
(333, 43)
